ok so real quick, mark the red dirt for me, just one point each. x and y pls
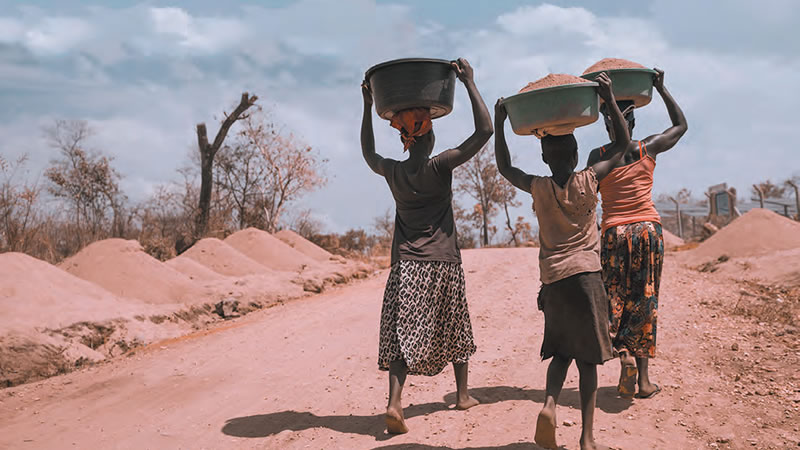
(553, 79)
(758, 232)
(303, 375)
(193, 269)
(224, 259)
(612, 63)
(671, 241)
(303, 245)
(124, 269)
(35, 294)
(269, 250)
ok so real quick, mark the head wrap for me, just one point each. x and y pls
(412, 122)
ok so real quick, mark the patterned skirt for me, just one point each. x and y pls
(425, 319)
(633, 256)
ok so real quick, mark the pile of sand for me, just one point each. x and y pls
(193, 269)
(224, 259)
(303, 245)
(268, 250)
(553, 79)
(612, 63)
(758, 232)
(671, 241)
(124, 269)
(35, 294)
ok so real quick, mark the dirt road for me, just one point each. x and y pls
(304, 375)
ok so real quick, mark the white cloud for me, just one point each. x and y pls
(547, 18)
(202, 34)
(57, 34)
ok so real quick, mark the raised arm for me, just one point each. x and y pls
(480, 114)
(516, 176)
(659, 143)
(375, 161)
(622, 137)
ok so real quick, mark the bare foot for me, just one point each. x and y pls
(648, 391)
(592, 445)
(467, 404)
(395, 423)
(546, 429)
(627, 376)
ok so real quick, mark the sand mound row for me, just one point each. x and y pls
(553, 79)
(612, 63)
(224, 259)
(193, 269)
(268, 250)
(758, 232)
(35, 294)
(124, 269)
(303, 245)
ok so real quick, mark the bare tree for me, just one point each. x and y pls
(305, 224)
(241, 173)
(480, 180)
(207, 153)
(84, 179)
(769, 189)
(384, 229)
(291, 168)
(19, 216)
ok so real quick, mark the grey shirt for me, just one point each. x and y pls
(424, 229)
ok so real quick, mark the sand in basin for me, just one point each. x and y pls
(670, 240)
(269, 250)
(224, 259)
(35, 294)
(612, 63)
(758, 232)
(124, 269)
(303, 245)
(553, 79)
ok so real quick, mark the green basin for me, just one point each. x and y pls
(554, 110)
(629, 84)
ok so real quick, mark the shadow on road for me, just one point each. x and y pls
(607, 398)
(517, 446)
(264, 425)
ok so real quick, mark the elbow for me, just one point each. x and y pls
(485, 132)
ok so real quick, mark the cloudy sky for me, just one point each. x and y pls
(144, 73)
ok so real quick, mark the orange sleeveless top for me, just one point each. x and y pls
(627, 192)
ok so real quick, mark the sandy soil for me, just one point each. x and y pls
(303, 375)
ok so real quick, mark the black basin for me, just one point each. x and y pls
(412, 83)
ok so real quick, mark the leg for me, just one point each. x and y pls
(395, 422)
(627, 377)
(588, 389)
(646, 388)
(463, 399)
(546, 422)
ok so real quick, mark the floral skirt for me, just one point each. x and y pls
(425, 319)
(633, 256)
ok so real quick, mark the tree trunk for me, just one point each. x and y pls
(485, 226)
(207, 153)
(510, 225)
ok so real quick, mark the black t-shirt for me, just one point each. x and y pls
(424, 229)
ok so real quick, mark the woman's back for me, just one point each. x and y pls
(424, 226)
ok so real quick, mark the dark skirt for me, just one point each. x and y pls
(425, 318)
(576, 319)
(633, 257)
